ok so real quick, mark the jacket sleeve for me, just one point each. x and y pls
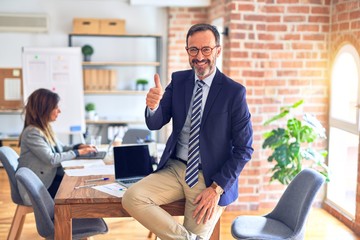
(241, 139)
(37, 144)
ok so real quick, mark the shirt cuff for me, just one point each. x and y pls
(76, 152)
(76, 146)
(150, 112)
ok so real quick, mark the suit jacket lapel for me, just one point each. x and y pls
(214, 91)
(189, 88)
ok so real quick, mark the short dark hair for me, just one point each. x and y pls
(200, 27)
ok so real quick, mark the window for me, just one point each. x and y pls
(344, 130)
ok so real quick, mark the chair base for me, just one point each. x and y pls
(18, 221)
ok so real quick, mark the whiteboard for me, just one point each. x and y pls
(59, 70)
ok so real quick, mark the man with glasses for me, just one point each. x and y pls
(208, 148)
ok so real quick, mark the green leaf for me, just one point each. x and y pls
(279, 116)
(275, 139)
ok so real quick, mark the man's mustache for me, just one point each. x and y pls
(194, 61)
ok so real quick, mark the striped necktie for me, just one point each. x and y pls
(192, 168)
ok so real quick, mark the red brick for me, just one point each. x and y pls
(308, 28)
(291, 36)
(320, 10)
(298, 9)
(319, 19)
(254, 17)
(294, 18)
(267, 37)
(245, 7)
(273, 18)
(273, 9)
(287, 1)
(276, 28)
(314, 37)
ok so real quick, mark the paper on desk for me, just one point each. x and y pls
(113, 189)
(94, 170)
(82, 163)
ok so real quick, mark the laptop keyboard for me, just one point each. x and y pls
(130, 180)
(94, 155)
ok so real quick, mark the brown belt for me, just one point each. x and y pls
(184, 162)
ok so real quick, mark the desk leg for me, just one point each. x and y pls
(216, 233)
(63, 222)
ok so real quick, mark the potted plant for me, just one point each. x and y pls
(291, 145)
(141, 84)
(87, 51)
(90, 110)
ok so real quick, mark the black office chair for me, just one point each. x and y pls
(287, 220)
(43, 205)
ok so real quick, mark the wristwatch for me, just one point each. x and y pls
(217, 188)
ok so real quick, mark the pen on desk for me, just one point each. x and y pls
(85, 186)
(97, 179)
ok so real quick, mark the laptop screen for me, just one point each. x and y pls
(132, 161)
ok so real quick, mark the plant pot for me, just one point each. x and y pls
(141, 87)
(91, 115)
(87, 58)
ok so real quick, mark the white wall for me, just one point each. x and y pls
(139, 20)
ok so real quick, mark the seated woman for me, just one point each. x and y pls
(41, 151)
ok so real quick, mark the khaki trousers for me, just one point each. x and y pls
(142, 202)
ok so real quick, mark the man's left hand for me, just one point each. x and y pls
(207, 202)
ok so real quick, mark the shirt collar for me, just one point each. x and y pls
(208, 80)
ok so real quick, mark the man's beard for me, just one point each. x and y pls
(203, 71)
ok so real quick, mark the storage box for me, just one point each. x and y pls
(112, 26)
(86, 25)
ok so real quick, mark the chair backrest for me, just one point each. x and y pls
(9, 159)
(134, 135)
(295, 203)
(41, 200)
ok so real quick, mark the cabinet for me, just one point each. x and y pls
(11, 142)
(123, 59)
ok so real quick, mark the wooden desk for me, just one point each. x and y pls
(91, 203)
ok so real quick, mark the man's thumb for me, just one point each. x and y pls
(157, 81)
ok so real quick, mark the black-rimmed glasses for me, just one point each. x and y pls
(206, 51)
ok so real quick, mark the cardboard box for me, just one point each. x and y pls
(112, 26)
(86, 26)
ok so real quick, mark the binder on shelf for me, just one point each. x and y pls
(113, 80)
(87, 79)
(93, 79)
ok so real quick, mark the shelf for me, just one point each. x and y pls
(114, 92)
(151, 64)
(122, 35)
(122, 70)
(10, 111)
(113, 122)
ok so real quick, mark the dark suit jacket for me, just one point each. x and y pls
(226, 131)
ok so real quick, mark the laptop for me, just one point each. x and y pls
(99, 154)
(132, 163)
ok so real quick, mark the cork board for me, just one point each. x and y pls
(11, 90)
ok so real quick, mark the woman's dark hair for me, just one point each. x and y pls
(203, 27)
(38, 109)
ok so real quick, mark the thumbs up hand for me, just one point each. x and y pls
(154, 95)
